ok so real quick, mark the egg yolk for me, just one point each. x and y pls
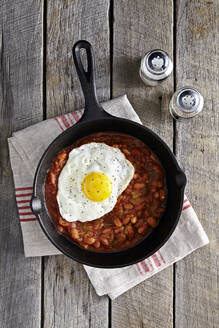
(96, 186)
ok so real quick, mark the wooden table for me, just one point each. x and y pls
(38, 81)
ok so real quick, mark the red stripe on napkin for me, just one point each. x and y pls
(23, 201)
(139, 269)
(23, 188)
(23, 207)
(57, 121)
(70, 119)
(144, 266)
(156, 261)
(64, 120)
(28, 219)
(25, 213)
(151, 265)
(76, 116)
(24, 204)
(185, 207)
(23, 195)
(161, 256)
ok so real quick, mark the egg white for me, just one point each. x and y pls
(91, 157)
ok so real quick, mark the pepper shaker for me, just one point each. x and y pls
(155, 67)
(186, 102)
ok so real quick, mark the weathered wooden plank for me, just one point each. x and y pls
(68, 22)
(20, 94)
(196, 146)
(140, 26)
(70, 300)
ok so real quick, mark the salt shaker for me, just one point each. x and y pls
(155, 67)
(186, 103)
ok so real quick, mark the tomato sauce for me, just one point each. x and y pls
(138, 208)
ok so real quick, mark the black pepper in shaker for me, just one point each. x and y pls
(155, 67)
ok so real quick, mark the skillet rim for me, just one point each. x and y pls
(181, 191)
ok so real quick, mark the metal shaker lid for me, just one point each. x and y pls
(186, 103)
(158, 64)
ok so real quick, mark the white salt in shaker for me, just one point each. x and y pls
(155, 67)
(186, 103)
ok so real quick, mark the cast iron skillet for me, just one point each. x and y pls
(95, 119)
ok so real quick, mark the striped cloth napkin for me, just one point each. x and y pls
(26, 148)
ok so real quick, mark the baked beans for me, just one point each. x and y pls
(138, 208)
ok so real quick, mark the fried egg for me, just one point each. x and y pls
(91, 181)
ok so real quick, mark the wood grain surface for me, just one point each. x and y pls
(66, 284)
(67, 22)
(197, 303)
(20, 106)
(138, 28)
(36, 68)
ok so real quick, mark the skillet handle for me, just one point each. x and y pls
(93, 110)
